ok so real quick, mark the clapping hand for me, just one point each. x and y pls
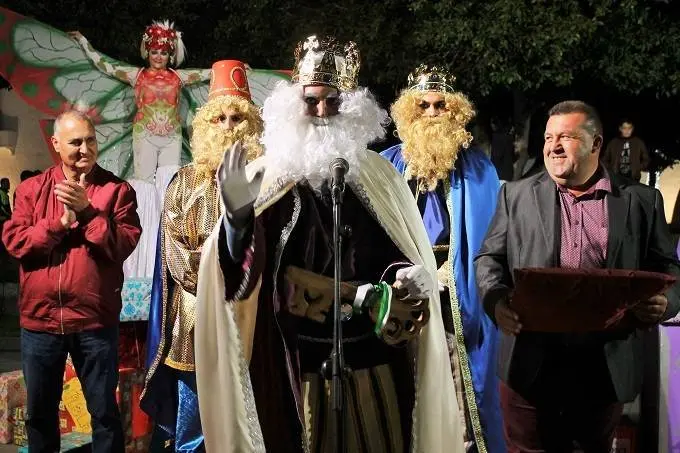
(74, 198)
(68, 218)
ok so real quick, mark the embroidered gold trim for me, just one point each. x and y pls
(460, 339)
(283, 240)
(244, 88)
(254, 428)
(179, 366)
(272, 194)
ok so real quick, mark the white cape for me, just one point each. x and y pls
(227, 407)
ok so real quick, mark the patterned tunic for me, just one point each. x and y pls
(192, 208)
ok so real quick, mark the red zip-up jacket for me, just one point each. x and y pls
(71, 280)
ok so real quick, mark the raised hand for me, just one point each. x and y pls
(238, 192)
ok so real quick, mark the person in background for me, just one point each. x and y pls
(626, 155)
(23, 176)
(5, 205)
(157, 132)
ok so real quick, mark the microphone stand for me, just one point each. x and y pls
(337, 357)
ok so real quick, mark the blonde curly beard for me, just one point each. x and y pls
(430, 145)
(209, 140)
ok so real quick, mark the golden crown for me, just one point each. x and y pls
(425, 78)
(327, 62)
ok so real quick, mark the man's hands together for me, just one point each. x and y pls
(74, 199)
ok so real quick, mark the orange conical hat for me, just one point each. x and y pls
(228, 78)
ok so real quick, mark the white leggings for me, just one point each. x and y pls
(153, 151)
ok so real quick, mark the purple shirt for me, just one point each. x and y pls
(585, 225)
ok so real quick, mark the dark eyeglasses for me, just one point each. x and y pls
(439, 105)
(332, 101)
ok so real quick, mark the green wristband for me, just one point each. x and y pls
(383, 294)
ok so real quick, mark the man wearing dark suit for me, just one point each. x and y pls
(560, 388)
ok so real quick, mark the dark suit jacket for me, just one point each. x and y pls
(525, 232)
(639, 158)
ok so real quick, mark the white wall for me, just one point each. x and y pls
(31, 152)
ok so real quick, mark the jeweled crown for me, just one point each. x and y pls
(426, 78)
(325, 61)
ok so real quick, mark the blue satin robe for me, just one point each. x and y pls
(474, 191)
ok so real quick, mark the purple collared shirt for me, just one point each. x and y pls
(585, 225)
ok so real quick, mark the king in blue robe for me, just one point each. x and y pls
(456, 188)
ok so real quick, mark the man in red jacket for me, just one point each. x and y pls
(71, 229)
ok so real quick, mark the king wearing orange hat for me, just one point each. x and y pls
(228, 116)
(192, 208)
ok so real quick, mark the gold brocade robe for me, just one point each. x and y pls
(192, 208)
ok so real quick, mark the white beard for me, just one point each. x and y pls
(303, 147)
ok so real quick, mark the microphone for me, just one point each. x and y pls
(339, 167)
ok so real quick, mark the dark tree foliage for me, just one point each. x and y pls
(511, 51)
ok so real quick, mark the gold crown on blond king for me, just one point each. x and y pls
(328, 62)
(426, 78)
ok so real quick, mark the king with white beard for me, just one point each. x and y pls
(264, 299)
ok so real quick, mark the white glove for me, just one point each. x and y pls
(238, 193)
(441, 286)
(416, 281)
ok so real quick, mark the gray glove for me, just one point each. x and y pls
(237, 191)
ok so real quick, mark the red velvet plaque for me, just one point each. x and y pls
(582, 300)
